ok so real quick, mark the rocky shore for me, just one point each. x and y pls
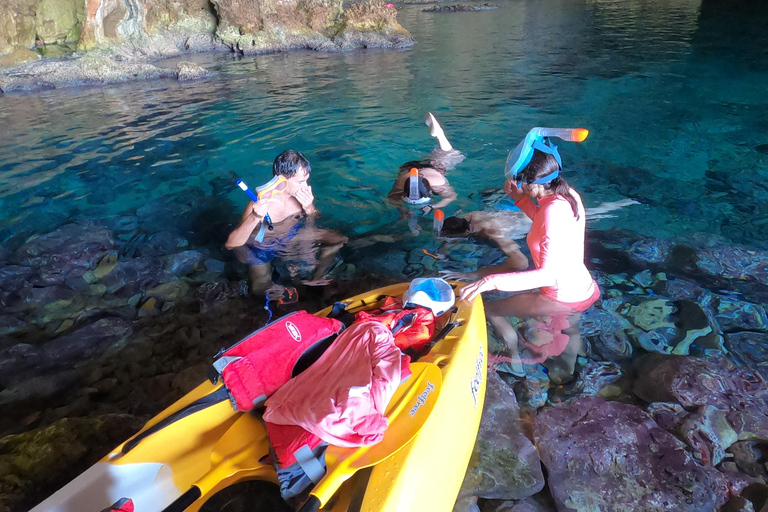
(104, 324)
(51, 44)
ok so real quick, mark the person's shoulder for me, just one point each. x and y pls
(557, 206)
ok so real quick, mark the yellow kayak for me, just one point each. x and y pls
(213, 460)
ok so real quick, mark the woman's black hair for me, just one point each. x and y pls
(541, 165)
(425, 190)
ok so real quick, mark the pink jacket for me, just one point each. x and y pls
(342, 397)
(556, 242)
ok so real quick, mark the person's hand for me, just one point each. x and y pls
(450, 275)
(305, 198)
(512, 190)
(472, 290)
(260, 208)
(426, 209)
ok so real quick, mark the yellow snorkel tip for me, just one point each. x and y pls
(579, 134)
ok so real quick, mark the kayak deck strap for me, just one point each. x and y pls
(217, 396)
(181, 503)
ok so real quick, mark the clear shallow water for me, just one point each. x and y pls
(672, 91)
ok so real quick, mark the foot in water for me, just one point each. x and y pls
(436, 131)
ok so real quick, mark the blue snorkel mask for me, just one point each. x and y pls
(538, 138)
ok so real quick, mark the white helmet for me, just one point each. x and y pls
(430, 292)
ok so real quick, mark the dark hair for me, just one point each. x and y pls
(455, 226)
(425, 189)
(288, 163)
(541, 165)
(418, 164)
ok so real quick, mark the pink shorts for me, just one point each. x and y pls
(581, 305)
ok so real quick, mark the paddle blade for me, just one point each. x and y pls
(407, 412)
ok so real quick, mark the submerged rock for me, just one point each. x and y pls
(68, 251)
(740, 394)
(612, 456)
(751, 350)
(46, 458)
(23, 361)
(655, 324)
(605, 331)
(504, 463)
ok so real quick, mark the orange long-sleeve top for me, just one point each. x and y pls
(556, 242)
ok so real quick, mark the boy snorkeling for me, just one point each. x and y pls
(297, 245)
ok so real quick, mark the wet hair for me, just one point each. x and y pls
(418, 164)
(542, 164)
(425, 189)
(455, 226)
(288, 163)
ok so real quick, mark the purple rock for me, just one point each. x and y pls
(135, 275)
(733, 315)
(750, 349)
(669, 416)
(10, 324)
(692, 382)
(612, 456)
(70, 249)
(22, 361)
(13, 280)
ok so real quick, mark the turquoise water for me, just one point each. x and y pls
(672, 91)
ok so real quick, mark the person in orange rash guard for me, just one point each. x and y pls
(565, 287)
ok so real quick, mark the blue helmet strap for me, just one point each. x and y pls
(547, 147)
(546, 179)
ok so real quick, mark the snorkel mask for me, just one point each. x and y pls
(538, 138)
(432, 293)
(417, 193)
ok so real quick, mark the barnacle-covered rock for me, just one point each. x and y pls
(612, 456)
(697, 382)
(751, 350)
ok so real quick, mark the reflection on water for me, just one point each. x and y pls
(672, 91)
(665, 105)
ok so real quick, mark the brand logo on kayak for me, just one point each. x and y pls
(474, 384)
(293, 331)
(422, 398)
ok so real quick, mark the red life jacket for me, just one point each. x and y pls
(257, 366)
(412, 327)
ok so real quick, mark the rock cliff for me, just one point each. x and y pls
(134, 32)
